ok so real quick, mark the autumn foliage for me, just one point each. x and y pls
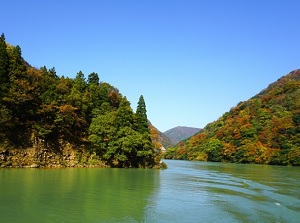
(263, 130)
(42, 110)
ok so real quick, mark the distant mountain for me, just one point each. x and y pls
(180, 133)
(264, 129)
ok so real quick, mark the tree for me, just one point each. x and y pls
(93, 78)
(4, 66)
(124, 114)
(102, 131)
(77, 97)
(214, 150)
(17, 66)
(5, 114)
(48, 86)
(141, 116)
(79, 82)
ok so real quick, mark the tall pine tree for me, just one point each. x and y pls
(141, 116)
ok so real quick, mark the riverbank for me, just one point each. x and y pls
(46, 158)
(40, 157)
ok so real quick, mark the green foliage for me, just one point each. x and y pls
(102, 131)
(124, 116)
(264, 130)
(4, 66)
(38, 108)
(114, 137)
(214, 150)
(93, 78)
(141, 116)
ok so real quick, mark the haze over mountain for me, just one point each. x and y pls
(179, 133)
(264, 129)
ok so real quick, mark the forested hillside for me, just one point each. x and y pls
(165, 141)
(264, 130)
(180, 133)
(40, 110)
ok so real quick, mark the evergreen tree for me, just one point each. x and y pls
(93, 78)
(4, 66)
(145, 151)
(17, 66)
(77, 95)
(48, 85)
(79, 82)
(124, 114)
(141, 116)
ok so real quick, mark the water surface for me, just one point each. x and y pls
(185, 192)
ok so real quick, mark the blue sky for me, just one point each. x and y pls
(191, 60)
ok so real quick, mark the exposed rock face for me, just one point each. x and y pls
(42, 157)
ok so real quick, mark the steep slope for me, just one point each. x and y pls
(159, 138)
(165, 141)
(265, 129)
(180, 133)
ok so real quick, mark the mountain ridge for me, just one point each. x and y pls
(262, 130)
(180, 133)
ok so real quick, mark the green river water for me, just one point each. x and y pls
(185, 192)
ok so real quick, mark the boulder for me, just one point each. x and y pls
(34, 165)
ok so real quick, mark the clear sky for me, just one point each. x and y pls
(191, 60)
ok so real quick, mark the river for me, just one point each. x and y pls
(187, 191)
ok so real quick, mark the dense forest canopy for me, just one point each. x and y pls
(263, 130)
(39, 108)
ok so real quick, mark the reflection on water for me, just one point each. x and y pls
(75, 195)
(185, 192)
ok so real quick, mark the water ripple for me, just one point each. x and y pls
(239, 193)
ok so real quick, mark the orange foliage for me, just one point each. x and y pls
(67, 109)
(155, 137)
(197, 139)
